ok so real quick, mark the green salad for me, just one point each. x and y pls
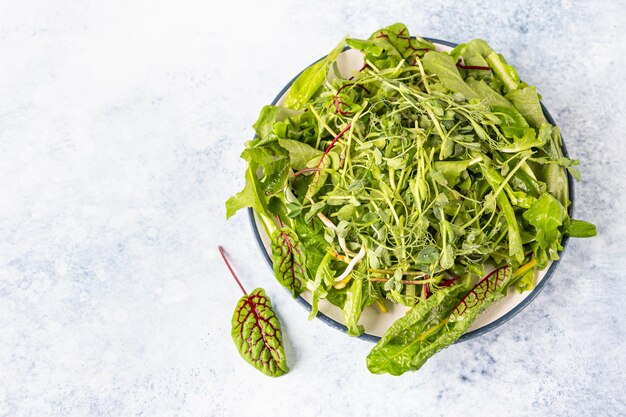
(428, 179)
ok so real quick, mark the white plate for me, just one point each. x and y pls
(376, 323)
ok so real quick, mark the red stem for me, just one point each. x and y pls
(450, 282)
(332, 143)
(280, 222)
(302, 171)
(231, 270)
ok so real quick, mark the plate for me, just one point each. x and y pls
(376, 323)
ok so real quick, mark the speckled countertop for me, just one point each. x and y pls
(120, 129)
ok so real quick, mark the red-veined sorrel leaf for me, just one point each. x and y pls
(256, 330)
(289, 260)
(434, 324)
(488, 290)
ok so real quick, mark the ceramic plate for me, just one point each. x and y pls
(376, 323)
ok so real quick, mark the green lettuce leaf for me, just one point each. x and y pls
(311, 79)
(546, 215)
(526, 101)
(265, 123)
(299, 153)
(274, 162)
(581, 228)
(503, 71)
(250, 196)
(491, 96)
(443, 66)
(353, 307)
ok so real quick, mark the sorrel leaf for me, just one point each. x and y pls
(289, 260)
(257, 335)
(256, 330)
(434, 324)
(488, 290)
(395, 351)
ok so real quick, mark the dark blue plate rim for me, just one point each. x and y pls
(469, 335)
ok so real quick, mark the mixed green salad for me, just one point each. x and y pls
(428, 179)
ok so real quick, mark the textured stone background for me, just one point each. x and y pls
(121, 123)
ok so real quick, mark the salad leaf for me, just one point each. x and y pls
(445, 68)
(434, 325)
(388, 46)
(484, 92)
(250, 196)
(324, 278)
(265, 123)
(581, 228)
(503, 71)
(352, 308)
(546, 215)
(289, 260)
(395, 351)
(274, 162)
(257, 335)
(256, 330)
(299, 153)
(515, 240)
(526, 101)
(315, 246)
(311, 79)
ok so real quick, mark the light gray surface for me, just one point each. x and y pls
(120, 129)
